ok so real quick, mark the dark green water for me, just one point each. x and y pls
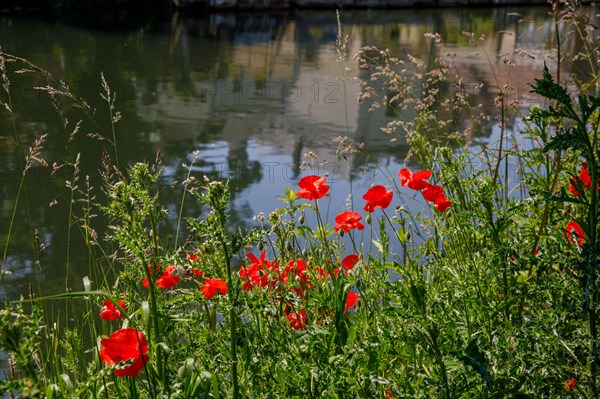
(252, 91)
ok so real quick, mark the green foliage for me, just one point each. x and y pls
(19, 334)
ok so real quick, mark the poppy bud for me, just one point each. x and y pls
(368, 217)
(301, 219)
(341, 232)
(260, 246)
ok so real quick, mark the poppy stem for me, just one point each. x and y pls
(321, 228)
(402, 242)
(353, 243)
(219, 209)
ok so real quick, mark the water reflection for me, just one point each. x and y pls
(252, 91)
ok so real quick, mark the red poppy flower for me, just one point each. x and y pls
(196, 272)
(350, 261)
(312, 187)
(256, 273)
(574, 229)
(351, 300)
(442, 204)
(297, 270)
(111, 312)
(348, 221)
(377, 196)
(347, 264)
(415, 181)
(570, 385)
(125, 349)
(435, 194)
(211, 287)
(297, 320)
(432, 192)
(193, 257)
(166, 280)
(584, 177)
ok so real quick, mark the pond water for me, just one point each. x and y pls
(253, 92)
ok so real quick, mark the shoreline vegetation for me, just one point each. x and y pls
(489, 289)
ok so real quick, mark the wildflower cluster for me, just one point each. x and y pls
(431, 192)
(578, 186)
(126, 349)
(291, 282)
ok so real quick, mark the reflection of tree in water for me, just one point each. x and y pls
(236, 167)
(245, 172)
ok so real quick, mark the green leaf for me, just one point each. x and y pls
(378, 245)
(146, 311)
(68, 383)
(474, 357)
(568, 139)
(87, 285)
(588, 105)
(548, 88)
(51, 390)
(375, 379)
(215, 386)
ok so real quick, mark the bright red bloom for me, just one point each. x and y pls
(442, 204)
(348, 221)
(415, 181)
(297, 320)
(194, 257)
(297, 269)
(350, 261)
(196, 272)
(125, 349)
(574, 229)
(111, 312)
(351, 300)
(347, 264)
(166, 280)
(256, 273)
(435, 194)
(432, 192)
(210, 287)
(312, 187)
(570, 385)
(584, 177)
(377, 196)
